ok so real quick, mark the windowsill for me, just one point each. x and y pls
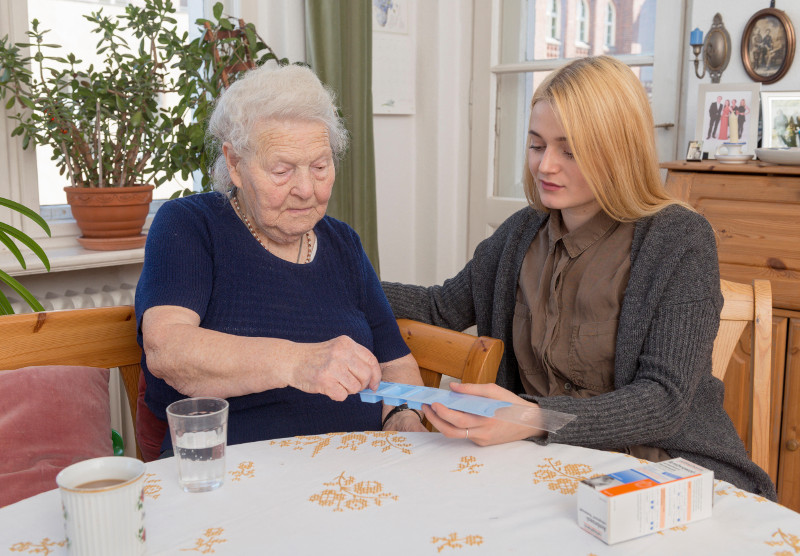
(70, 258)
(63, 250)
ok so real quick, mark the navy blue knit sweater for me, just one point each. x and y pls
(199, 255)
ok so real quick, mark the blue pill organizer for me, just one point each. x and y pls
(393, 393)
(416, 396)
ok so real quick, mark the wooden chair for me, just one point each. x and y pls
(97, 337)
(749, 303)
(440, 351)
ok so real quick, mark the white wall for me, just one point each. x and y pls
(422, 159)
(735, 15)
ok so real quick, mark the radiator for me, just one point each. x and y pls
(106, 296)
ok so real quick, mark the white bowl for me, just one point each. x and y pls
(789, 155)
(734, 158)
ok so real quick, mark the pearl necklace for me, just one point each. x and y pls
(258, 238)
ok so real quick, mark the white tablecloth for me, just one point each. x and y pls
(398, 493)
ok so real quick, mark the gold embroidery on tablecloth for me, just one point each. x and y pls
(468, 463)
(354, 496)
(152, 488)
(676, 529)
(640, 460)
(390, 439)
(739, 493)
(785, 539)
(386, 440)
(453, 541)
(563, 478)
(206, 545)
(44, 546)
(246, 470)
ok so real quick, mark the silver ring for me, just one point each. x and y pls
(466, 435)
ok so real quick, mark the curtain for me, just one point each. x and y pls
(339, 50)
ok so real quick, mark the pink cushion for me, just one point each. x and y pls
(50, 418)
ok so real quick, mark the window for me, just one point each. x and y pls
(514, 52)
(24, 176)
(583, 22)
(553, 19)
(73, 32)
(611, 25)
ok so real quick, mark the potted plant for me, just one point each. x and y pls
(7, 232)
(227, 47)
(109, 133)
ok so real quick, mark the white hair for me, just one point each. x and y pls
(263, 94)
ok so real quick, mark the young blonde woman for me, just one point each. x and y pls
(606, 291)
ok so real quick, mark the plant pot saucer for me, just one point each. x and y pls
(112, 243)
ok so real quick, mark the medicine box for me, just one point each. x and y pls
(647, 499)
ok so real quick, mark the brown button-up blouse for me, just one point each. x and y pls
(569, 296)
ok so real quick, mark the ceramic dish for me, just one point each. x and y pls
(779, 156)
(734, 158)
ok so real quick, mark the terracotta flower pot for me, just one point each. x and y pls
(110, 218)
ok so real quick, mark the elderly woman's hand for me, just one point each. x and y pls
(405, 421)
(337, 368)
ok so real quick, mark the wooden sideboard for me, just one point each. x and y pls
(755, 211)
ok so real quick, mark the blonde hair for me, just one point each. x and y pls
(607, 120)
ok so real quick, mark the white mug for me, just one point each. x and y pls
(103, 504)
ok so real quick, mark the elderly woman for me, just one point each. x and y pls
(605, 290)
(252, 294)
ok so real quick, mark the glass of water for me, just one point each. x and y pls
(199, 431)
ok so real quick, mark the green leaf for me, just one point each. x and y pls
(5, 306)
(5, 240)
(25, 211)
(28, 241)
(20, 289)
(218, 10)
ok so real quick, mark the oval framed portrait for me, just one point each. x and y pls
(768, 44)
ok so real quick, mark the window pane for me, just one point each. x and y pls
(530, 26)
(72, 31)
(514, 92)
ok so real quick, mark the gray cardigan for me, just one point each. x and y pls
(665, 395)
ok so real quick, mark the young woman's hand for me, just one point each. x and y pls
(483, 431)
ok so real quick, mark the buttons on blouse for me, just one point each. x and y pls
(568, 386)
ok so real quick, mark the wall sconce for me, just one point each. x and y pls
(716, 49)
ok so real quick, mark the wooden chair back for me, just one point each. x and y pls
(440, 351)
(749, 303)
(106, 337)
(96, 337)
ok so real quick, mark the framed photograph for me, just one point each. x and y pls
(781, 123)
(768, 45)
(727, 113)
(695, 151)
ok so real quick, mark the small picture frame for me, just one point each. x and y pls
(695, 151)
(768, 44)
(727, 113)
(781, 119)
